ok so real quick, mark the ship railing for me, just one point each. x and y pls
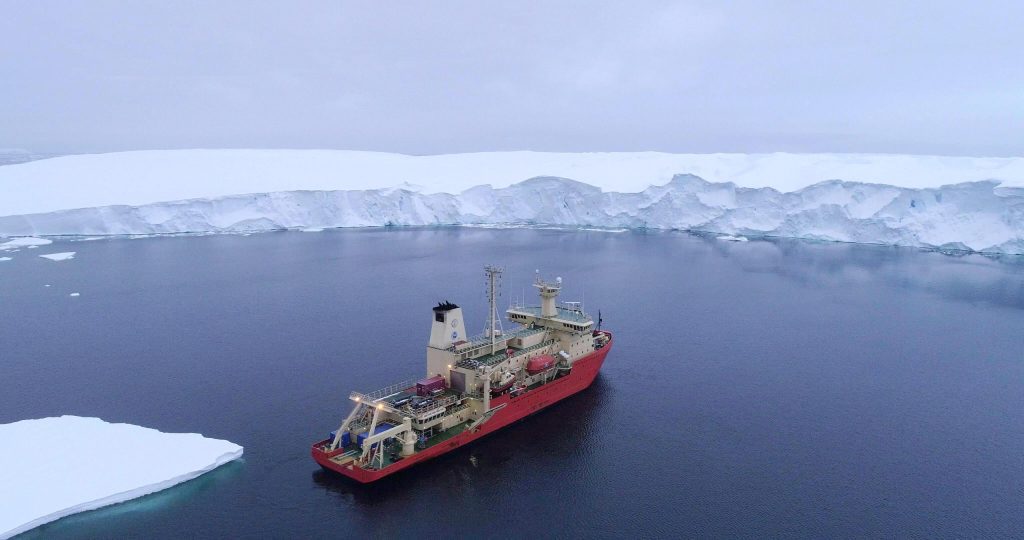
(381, 404)
(572, 307)
(532, 348)
(458, 408)
(483, 341)
(565, 310)
(437, 404)
(473, 363)
(369, 397)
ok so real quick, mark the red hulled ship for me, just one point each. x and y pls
(474, 386)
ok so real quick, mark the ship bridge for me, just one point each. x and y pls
(567, 316)
(551, 314)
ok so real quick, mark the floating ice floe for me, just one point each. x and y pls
(5, 259)
(62, 256)
(75, 294)
(29, 242)
(55, 467)
(312, 229)
(731, 238)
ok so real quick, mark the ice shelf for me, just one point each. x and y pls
(961, 203)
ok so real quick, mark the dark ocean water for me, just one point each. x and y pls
(758, 389)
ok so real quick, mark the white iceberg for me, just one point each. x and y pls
(30, 242)
(74, 294)
(55, 467)
(5, 259)
(731, 238)
(62, 256)
(928, 201)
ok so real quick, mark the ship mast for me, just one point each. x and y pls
(493, 285)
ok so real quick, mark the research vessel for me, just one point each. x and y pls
(473, 385)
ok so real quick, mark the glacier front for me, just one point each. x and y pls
(974, 204)
(55, 467)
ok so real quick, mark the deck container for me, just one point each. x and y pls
(426, 386)
(383, 426)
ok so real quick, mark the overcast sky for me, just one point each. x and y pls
(437, 77)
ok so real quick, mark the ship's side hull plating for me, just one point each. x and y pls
(512, 409)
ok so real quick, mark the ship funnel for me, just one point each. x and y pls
(448, 326)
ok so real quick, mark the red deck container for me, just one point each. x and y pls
(426, 386)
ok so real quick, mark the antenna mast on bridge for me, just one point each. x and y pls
(493, 291)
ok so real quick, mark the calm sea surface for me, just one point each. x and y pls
(755, 389)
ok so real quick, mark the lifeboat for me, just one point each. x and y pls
(506, 382)
(540, 363)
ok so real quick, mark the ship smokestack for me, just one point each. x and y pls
(447, 326)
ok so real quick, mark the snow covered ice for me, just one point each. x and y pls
(62, 256)
(15, 243)
(929, 201)
(110, 463)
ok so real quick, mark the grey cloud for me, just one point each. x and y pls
(417, 77)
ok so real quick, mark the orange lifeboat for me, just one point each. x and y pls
(540, 363)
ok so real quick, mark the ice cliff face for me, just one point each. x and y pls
(978, 216)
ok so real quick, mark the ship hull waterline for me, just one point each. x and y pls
(583, 373)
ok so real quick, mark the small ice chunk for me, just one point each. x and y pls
(27, 241)
(47, 285)
(55, 467)
(312, 229)
(62, 256)
(5, 259)
(74, 294)
(731, 238)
